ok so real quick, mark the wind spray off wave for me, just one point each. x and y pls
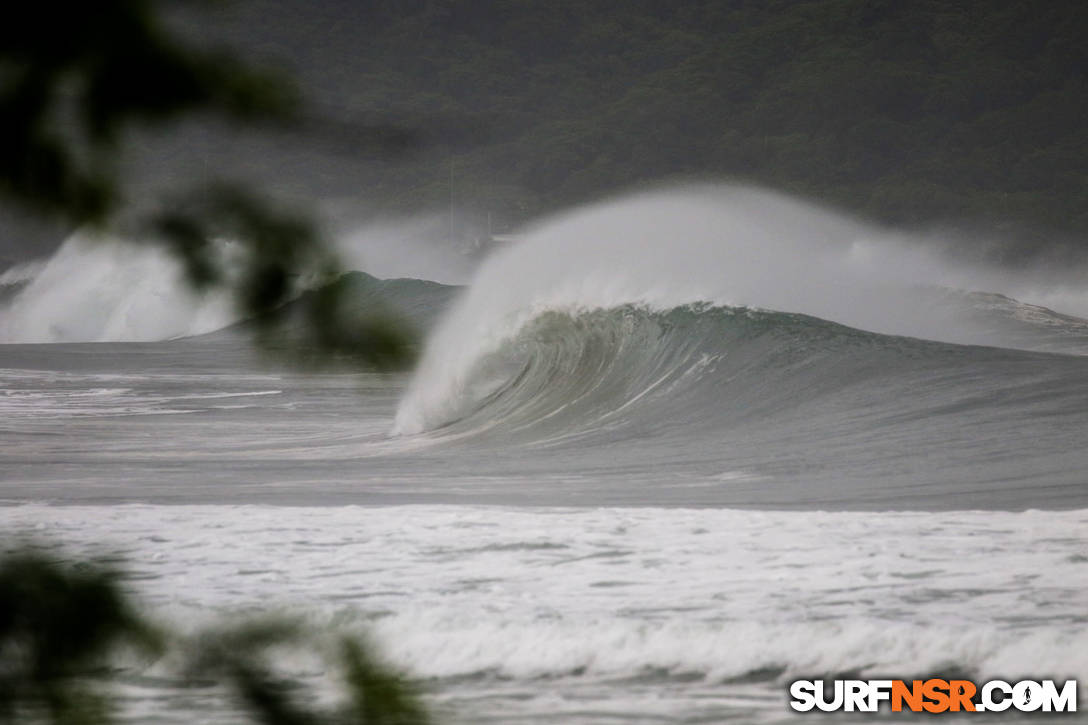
(718, 247)
(95, 290)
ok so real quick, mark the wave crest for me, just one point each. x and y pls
(721, 248)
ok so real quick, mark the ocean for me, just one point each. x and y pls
(660, 456)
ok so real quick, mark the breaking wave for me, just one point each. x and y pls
(626, 303)
(94, 290)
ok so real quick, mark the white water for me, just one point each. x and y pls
(590, 613)
(22, 272)
(94, 290)
(724, 245)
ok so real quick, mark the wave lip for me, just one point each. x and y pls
(695, 370)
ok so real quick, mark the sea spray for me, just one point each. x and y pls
(95, 289)
(716, 245)
(98, 290)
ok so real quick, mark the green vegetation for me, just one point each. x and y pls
(65, 629)
(911, 112)
(56, 624)
(71, 94)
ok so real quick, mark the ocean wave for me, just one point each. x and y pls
(705, 402)
(107, 290)
(95, 290)
(699, 366)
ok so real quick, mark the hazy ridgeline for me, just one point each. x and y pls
(912, 112)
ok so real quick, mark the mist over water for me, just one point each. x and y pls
(724, 245)
(94, 290)
(418, 247)
(113, 290)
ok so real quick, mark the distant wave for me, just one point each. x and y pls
(15, 278)
(95, 290)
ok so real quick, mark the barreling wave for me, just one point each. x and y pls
(631, 294)
(692, 368)
(723, 340)
(569, 371)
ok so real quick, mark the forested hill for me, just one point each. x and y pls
(911, 111)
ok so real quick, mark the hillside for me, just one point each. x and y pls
(911, 112)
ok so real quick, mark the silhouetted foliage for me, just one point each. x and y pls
(62, 628)
(73, 85)
(240, 658)
(283, 255)
(71, 89)
(59, 626)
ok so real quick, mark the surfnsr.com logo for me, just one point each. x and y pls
(933, 696)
